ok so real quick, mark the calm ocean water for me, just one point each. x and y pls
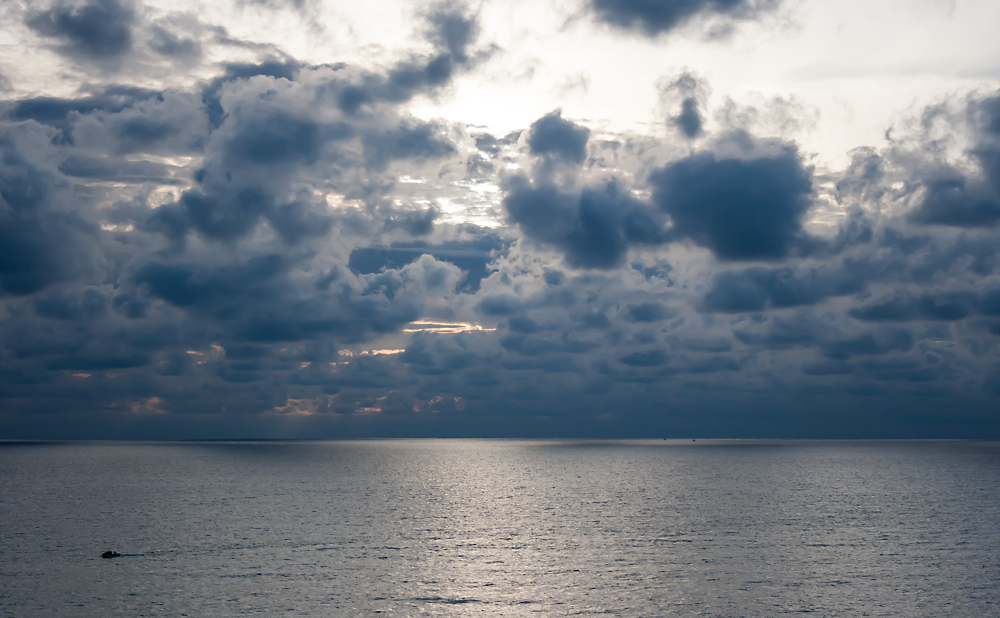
(500, 528)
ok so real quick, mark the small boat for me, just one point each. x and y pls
(110, 554)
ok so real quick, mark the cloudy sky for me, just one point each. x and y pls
(600, 218)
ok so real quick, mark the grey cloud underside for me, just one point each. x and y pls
(948, 194)
(747, 207)
(593, 228)
(215, 253)
(43, 238)
(655, 17)
(689, 120)
(739, 209)
(552, 135)
(123, 37)
(686, 95)
(98, 29)
(473, 257)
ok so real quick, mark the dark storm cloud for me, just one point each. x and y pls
(832, 343)
(757, 289)
(552, 135)
(653, 358)
(946, 306)
(166, 42)
(57, 307)
(277, 138)
(783, 332)
(649, 312)
(740, 209)
(215, 290)
(42, 238)
(985, 115)
(62, 112)
(869, 344)
(53, 111)
(165, 123)
(258, 153)
(256, 157)
(958, 202)
(264, 141)
(97, 363)
(114, 168)
(689, 120)
(415, 223)
(258, 301)
(594, 227)
(655, 17)
(488, 143)
(686, 97)
(528, 345)
(277, 244)
(225, 217)
(554, 277)
(471, 256)
(951, 196)
(452, 29)
(95, 30)
(283, 68)
(499, 304)
(410, 140)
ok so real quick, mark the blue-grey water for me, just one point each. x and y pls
(500, 528)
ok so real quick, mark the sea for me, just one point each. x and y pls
(500, 528)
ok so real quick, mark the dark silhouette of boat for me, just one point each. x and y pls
(110, 554)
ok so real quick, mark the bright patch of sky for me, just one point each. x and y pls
(849, 69)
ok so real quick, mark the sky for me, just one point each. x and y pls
(555, 218)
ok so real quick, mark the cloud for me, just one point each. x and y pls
(61, 113)
(740, 209)
(747, 202)
(268, 138)
(957, 202)
(254, 161)
(649, 312)
(869, 344)
(757, 289)
(91, 304)
(594, 227)
(652, 358)
(96, 30)
(498, 305)
(688, 93)
(948, 192)
(949, 307)
(552, 135)
(241, 249)
(452, 29)
(165, 42)
(471, 256)
(655, 18)
(43, 239)
(267, 141)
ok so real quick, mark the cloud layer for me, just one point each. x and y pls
(275, 251)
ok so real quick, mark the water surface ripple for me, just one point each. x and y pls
(500, 528)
